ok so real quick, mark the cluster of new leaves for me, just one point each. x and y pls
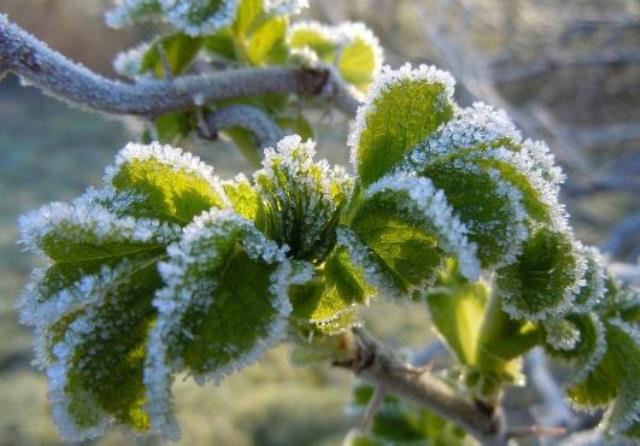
(166, 269)
(218, 35)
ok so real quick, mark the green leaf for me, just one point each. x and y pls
(614, 376)
(483, 138)
(164, 183)
(266, 43)
(220, 44)
(336, 288)
(588, 351)
(198, 18)
(399, 257)
(179, 49)
(96, 375)
(600, 385)
(624, 342)
(173, 126)
(405, 227)
(133, 11)
(486, 205)
(89, 246)
(244, 198)
(457, 309)
(314, 36)
(545, 278)
(226, 299)
(403, 108)
(358, 62)
(249, 12)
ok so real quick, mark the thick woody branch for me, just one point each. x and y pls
(29, 58)
(375, 363)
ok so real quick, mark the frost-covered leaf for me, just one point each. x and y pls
(129, 62)
(545, 278)
(588, 350)
(243, 196)
(285, 7)
(615, 377)
(96, 375)
(489, 207)
(402, 230)
(457, 309)
(624, 416)
(315, 36)
(351, 48)
(130, 11)
(360, 58)
(301, 199)
(403, 108)
(84, 242)
(594, 289)
(200, 17)
(336, 288)
(266, 45)
(484, 137)
(562, 334)
(78, 232)
(225, 302)
(177, 49)
(166, 183)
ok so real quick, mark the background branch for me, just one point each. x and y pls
(29, 58)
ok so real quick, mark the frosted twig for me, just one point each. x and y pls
(31, 59)
(247, 117)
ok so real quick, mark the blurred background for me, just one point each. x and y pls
(566, 71)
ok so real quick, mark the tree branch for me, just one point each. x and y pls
(247, 117)
(375, 363)
(31, 59)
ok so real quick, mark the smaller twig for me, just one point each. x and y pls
(379, 393)
(247, 117)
